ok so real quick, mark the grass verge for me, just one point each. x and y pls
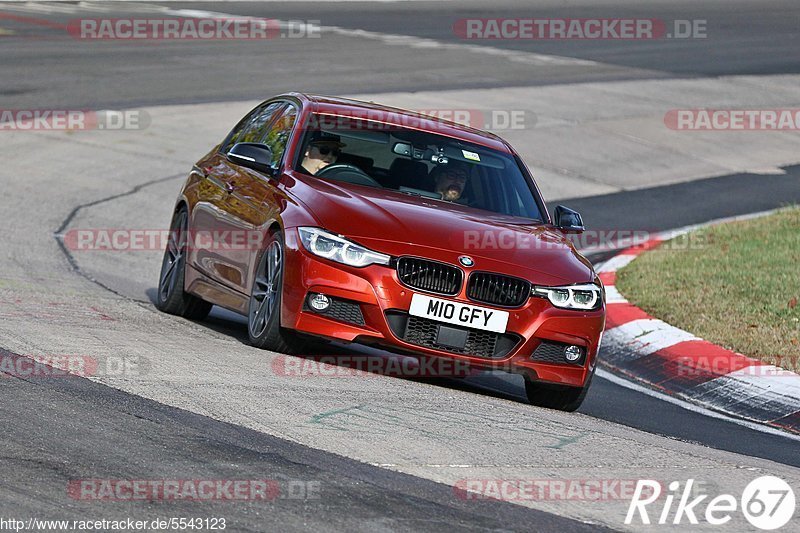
(736, 285)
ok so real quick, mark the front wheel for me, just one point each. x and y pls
(264, 316)
(558, 397)
(172, 298)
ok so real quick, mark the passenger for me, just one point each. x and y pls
(451, 179)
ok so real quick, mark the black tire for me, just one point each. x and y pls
(171, 297)
(263, 313)
(556, 396)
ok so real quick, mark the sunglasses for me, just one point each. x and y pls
(325, 150)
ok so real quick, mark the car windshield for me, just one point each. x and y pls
(416, 163)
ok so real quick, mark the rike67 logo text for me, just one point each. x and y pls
(767, 503)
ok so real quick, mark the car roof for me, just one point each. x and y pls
(334, 105)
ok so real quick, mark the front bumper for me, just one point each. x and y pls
(382, 298)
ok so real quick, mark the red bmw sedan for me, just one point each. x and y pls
(349, 221)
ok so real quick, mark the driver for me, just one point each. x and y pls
(451, 179)
(322, 150)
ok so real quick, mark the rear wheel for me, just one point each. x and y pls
(264, 316)
(558, 397)
(172, 298)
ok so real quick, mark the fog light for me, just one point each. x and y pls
(573, 353)
(319, 302)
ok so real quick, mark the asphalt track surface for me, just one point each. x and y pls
(65, 429)
(127, 437)
(51, 68)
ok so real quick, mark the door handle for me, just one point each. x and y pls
(230, 187)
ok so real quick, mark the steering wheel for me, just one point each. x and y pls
(347, 173)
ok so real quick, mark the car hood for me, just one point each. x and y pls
(399, 224)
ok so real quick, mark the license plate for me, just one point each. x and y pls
(470, 316)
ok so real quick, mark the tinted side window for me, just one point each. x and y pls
(253, 127)
(278, 134)
(257, 129)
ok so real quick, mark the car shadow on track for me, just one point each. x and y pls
(356, 357)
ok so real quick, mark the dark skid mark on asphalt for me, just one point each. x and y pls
(58, 233)
(95, 431)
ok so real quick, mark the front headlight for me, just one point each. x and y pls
(585, 297)
(331, 246)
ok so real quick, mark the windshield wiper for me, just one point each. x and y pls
(411, 191)
(533, 222)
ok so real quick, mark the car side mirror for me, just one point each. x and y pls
(254, 156)
(567, 220)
